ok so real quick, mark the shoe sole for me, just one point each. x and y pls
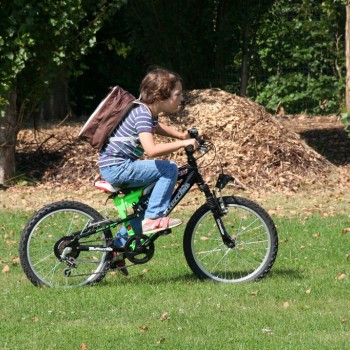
(123, 271)
(161, 229)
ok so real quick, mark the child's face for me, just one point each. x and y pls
(171, 104)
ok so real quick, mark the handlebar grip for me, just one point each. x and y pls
(193, 133)
(189, 149)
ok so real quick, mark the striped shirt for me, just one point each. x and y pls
(114, 152)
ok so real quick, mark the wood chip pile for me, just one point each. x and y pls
(252, 145)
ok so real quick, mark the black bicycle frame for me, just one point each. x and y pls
(188, 175)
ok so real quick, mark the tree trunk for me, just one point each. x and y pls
(347, 53)
(8, 136)
(57, 106)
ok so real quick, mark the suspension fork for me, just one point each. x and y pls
(217, 207)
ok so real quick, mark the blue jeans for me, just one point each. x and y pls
(142, 172)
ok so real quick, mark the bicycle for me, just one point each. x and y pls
(228, 239)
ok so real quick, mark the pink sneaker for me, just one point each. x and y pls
(160, 224)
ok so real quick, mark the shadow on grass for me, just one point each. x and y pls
(36, 165)
(188, 278)
(333, 144)
(286, 273)
(159, 278)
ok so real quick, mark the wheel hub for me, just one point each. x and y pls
(63, 243)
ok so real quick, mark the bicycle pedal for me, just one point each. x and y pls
(165, 232)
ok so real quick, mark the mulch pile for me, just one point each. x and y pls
(252, 144)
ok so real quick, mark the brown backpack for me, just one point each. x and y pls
(106, 117)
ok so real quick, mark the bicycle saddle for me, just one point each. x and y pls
(108, 188)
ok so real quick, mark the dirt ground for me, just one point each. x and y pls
(287, 163)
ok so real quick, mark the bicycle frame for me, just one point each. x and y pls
(188, 175)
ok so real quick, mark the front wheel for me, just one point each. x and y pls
(46, 235)
(253, 231)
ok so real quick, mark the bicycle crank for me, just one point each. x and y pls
(139, 249)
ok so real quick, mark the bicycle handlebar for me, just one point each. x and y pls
(189, 149)
(194, 135)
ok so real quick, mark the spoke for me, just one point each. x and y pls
(207, 252)
(245, 229)
(43, 259)
(88, 261)
(223, 257)
(52, 272)
(251, 243)
(248, 258)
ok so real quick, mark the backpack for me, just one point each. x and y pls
(106, 117)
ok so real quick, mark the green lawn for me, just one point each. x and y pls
(303, 303)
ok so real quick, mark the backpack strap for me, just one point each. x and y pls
(130, 138)
(123, 138)
(138, 101)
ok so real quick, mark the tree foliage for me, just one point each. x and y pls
(40, 40)
(300, 61)
(279, 52)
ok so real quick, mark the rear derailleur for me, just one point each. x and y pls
(66, 251)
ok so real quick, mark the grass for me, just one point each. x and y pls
(303, 303)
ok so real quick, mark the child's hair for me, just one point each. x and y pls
(158, 84)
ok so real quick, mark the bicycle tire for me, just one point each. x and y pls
(256, 243)
(38, 243)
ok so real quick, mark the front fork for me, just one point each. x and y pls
(218, 208)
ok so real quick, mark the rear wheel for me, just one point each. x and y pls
(253, 231)
(46, 236)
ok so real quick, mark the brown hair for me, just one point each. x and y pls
(158, 84)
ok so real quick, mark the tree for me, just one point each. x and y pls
(39, 43)
(347, 55)
(299, 61)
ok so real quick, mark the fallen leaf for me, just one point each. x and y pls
(15, 261)
(344, 320)
(83, 346)
(346, 230)
(161, 341)
(255, 293)
(267, 331)
(164, 316)
(6, 269)
(341, 276)
(286, 304)
(308, 291)
(143, 329)
(36, 319)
